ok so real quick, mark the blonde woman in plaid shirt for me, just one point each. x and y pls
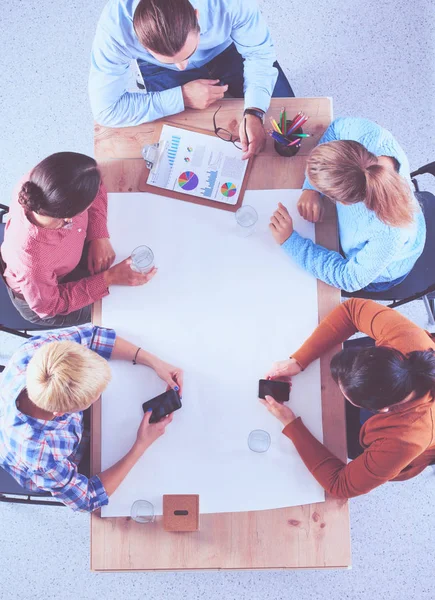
(45, 388)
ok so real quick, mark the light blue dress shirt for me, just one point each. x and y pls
(222, 22)
(374, 252)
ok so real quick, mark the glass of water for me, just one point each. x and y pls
(142, 259)
(259, 441)
(142, 511)
(246, 218)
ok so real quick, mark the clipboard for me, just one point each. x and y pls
(155, 155)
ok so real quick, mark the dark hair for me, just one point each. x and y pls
(162, 26)
(378, 377)
(61, 186)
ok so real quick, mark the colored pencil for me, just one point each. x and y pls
(283, 120)
(301, 121)
(279, 138)
(297, 123)
(294, 142)
(293, 121)
(284, 139)
(275, 125)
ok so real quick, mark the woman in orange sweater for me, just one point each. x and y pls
(395, 379)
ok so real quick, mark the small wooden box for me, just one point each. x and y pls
(181, 512)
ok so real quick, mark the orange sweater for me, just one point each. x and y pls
(398, 444)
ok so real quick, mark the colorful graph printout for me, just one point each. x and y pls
(188, 180)
(196, 164)
(228, 189)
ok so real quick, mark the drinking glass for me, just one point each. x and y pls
(142, 511)
(246, 218)
(142, 259)
(259, 440)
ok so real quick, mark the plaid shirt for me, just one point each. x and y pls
(43, 455)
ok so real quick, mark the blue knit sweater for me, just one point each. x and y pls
(374, 252)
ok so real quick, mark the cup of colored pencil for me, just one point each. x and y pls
(288, 135)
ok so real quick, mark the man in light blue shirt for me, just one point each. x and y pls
(189, 54)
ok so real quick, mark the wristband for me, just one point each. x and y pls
(135, 356)
(255, 112)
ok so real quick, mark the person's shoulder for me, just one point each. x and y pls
(19, 360)
(114, 9)
(396, 431)
(76, 333)
(116, 17)
(355, 128)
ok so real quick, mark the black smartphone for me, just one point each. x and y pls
(279, 390)
(162, 405)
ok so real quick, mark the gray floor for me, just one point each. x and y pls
(376, 59)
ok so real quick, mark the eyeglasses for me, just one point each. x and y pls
(224, 134)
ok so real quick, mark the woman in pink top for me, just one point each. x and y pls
(56, 250)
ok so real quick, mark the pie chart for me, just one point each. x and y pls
(228, 189)
(188, 181)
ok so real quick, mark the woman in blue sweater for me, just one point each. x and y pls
(361, 168)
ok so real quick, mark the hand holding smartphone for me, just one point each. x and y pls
(279, 390)
(162, 405)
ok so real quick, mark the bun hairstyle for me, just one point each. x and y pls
(347, 172)
(61, 186)
(31, 197)
(378, 377)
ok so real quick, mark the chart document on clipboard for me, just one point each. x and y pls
(197, 164)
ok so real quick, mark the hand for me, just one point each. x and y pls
(280, 411)
(200, 93)
(173, 376)
(100, 256)
(284, 370)
(123, 274)
(256, 140)
(281, 224)
(311, 206)
(148, 432)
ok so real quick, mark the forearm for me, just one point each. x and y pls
(253, 41)
(63, 299)
(260, 78)
(124, 350)
(332, 268)
(97, 216)
(134, 108)
(327, 469)
(331, 331)
(111, 478)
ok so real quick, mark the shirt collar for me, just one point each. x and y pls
(42, 233)
(411, 405)
(39, 424)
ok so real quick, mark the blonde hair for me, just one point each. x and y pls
(66, 377)
(347, 172)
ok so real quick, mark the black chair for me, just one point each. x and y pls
(420, 283)
(12, 492)
(10, 319)
(353, 413)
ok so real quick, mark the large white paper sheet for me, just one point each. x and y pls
(223, 308)
(199, 165)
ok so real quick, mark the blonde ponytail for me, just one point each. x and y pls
(347, 172)
(389, 196)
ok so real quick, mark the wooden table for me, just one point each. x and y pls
(311, 536)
